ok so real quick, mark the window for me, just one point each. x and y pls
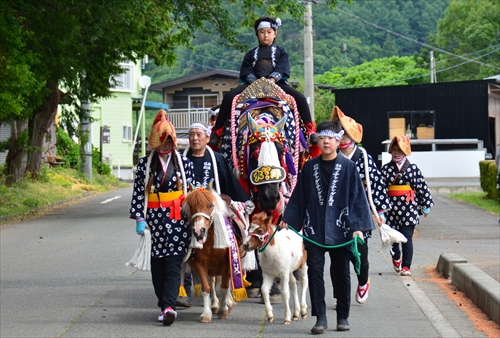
(202, 101)
(125, 81)
(127, 133)
(414, 124)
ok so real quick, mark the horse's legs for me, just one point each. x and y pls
(285, 295)
(267, 282)
(295, 294)
(226, 299)
(206, 316)
(213, 291)
(304, 284)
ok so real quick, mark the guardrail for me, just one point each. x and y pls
(434, 142)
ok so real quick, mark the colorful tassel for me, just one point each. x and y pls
(182, 291)
(197, 289)
(240, 294)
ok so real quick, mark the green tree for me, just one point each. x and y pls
(70, 52)
(388, 71)
(470, 28)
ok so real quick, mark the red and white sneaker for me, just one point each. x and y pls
(362, 292)
(169, 316)
(405, 271)
(396, 264)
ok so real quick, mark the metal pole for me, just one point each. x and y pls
(308, 58)
(431, 64)
(144, 82)
(86, 128)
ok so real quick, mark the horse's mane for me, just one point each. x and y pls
(201, 199)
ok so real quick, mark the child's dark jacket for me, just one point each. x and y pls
(330, 219)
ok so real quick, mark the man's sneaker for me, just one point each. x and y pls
(160, 317)
(362, 293)
(169, 316)
(405, 271)
(183, 302)
(396, 264)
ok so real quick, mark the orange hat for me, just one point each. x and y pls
(161, 129)
(353, 129)
(404, 144)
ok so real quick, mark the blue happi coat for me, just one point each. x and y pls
(332, 218)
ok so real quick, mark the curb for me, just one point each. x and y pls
(482, 289)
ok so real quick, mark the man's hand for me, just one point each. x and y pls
(283, 225)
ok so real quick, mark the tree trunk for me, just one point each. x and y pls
(17, 155)
(43, 118)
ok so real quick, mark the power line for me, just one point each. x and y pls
(413, 40)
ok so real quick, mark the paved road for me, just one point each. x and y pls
(63, 275)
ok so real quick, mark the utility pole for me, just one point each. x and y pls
(86, 129)
(432, 64)
(308, 58)
(344, 50)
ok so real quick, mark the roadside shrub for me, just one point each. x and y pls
(67, 149)
(488, 178)
(101, 167)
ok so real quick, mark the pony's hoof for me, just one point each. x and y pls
(270, 319)
(222, 315)
(287, 322)
(215, 309)
(295, 317)
(205, 320)
(229, 309)
(304, 315)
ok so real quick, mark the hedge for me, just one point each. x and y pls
(488, 177)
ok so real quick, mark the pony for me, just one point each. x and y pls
(280, 255)
(213, 251)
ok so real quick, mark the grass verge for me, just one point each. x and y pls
(53, 185)
(478, 199)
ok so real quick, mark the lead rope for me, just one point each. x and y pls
(355, 241)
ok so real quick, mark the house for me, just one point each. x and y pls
(190, 97)
(437, 116)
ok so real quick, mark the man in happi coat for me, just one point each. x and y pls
(160, 184)
(330, 206)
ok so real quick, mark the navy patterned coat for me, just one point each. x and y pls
(405, 213)
(168, 236)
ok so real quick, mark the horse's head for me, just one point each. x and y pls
(266, 149)
(259, 232)
(200, 206)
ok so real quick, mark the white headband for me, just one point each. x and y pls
(213, 112)
(267, 24)
(331, 133)
(198, 125)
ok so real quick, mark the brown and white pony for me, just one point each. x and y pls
(209, 254)
(281, 255)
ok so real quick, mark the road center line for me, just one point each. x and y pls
(110, 199)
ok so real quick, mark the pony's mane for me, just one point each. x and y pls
(201, 199)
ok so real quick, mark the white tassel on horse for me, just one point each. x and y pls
(142, 256)
(194, 244)
(221, 240)
(268, 154)
(249, 262)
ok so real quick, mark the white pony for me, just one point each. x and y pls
(281, 255)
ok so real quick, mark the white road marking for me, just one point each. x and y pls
(110, 199)
(435, 316)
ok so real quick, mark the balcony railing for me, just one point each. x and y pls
(183, 118)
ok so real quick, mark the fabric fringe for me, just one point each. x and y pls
(246, 283)
(182, 291)
(239, 294)
(142, 256)
(197, 289)
(249, 262)
(268, 155)
(390, 236)
(221, 240)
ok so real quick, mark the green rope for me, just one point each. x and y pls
(355, 241)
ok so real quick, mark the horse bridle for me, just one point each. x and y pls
(210, 217)
(263, 238)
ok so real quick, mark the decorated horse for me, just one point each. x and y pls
(265, 145)
(280, 254)
(214, 250)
